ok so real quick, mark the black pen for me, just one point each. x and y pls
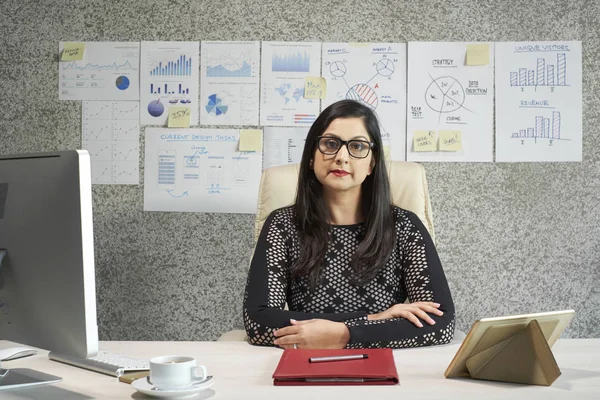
(338, 358)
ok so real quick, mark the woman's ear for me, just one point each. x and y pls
(311, 164)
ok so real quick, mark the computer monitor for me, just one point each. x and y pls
(47, 278)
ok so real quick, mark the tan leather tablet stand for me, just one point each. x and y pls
(524, 357)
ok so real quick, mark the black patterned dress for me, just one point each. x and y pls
(413, 270)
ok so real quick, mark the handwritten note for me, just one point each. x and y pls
(315, 87)
(450, 141)
(179, 117)
(251, 140)
(478, 54)
(72, 52)
(424, 141)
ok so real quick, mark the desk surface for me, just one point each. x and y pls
(243, 371)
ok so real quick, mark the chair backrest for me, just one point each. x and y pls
(408, 185)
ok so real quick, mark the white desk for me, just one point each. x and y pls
(242, 371)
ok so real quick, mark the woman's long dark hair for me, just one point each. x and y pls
(313, 215)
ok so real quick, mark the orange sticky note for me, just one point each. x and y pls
(179, 117)
(424, 141)
(450, 140)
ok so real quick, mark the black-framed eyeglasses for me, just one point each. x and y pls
(356, 148)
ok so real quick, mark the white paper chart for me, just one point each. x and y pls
(169, 77)
(538, 101)
(284, 67)
(229, 83)
(283, 146)
(373, 74)
(199, 170)
(110, 133)
(108, 71)
(450, 102)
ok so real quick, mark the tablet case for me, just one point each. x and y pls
(295, 369)
(524, 357)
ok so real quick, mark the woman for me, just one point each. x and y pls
(343, 257)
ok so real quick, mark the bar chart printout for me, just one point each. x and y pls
(542, 74)
(538, 101)
(545, 128)
(169, 77)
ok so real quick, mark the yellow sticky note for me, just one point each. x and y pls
(250, 140)
(72, 52)
(424, 141)
(179, 117)
(386, 152)
(450, 141)
(315, 87)
(478, 54)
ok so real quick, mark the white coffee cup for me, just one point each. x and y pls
(175, 372)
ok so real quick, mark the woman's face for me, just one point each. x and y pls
(341, 172)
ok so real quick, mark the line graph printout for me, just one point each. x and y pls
(538, 101)
(108, 71)
(169, 77)
(229, 84)
(110, 133)
(199, 170)
(284, 66)
(283, 146)
(450, 104)
(375, 75)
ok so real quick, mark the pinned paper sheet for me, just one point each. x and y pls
(478, 54)
(315, 87)
(72, 52)
(179, 117)
(251, 140)
(424, 141)
(450, 141)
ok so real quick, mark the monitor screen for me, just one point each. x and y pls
(47, 281)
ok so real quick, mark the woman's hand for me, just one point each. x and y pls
(411, 312)
(313, 334)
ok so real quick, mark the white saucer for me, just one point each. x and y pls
(143, 386)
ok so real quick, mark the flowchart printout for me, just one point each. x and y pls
(538, 101)
(199, 170)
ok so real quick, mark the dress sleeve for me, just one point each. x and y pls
(424, 280)
(267, 284)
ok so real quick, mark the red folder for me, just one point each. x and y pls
(295, 369)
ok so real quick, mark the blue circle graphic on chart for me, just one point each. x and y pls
(156, 108)
(122, 82)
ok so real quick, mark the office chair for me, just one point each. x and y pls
(408, 186)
